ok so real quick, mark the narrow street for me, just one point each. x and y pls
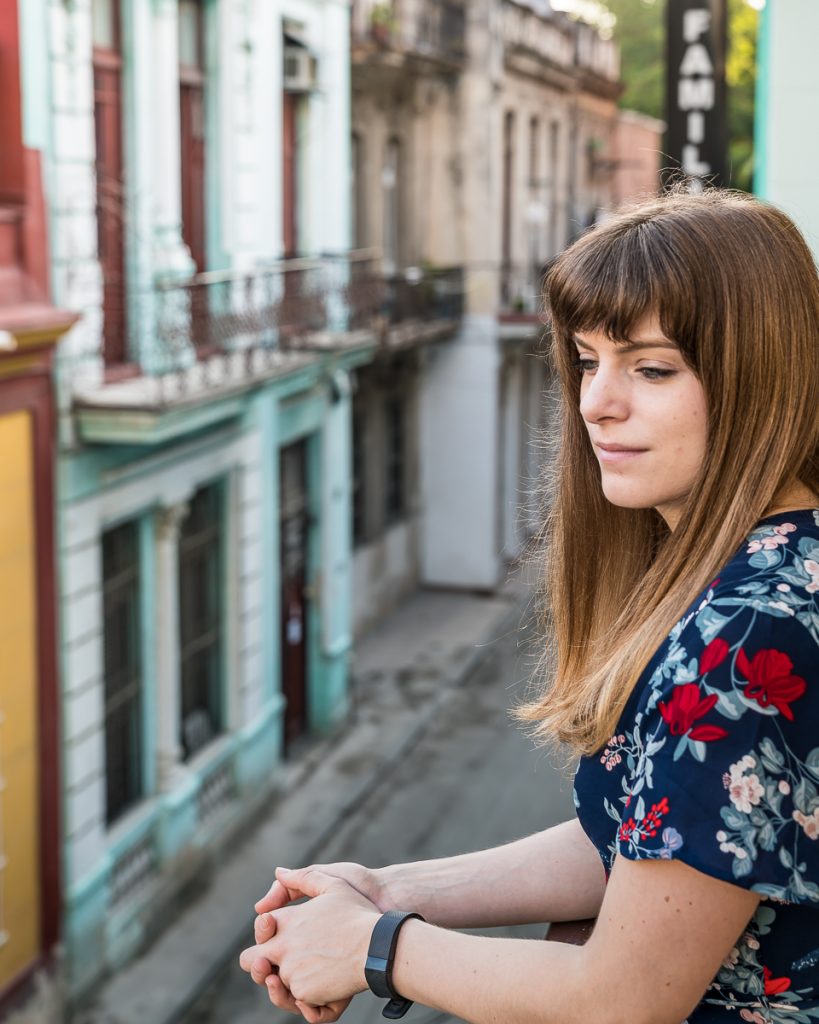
(472, 781)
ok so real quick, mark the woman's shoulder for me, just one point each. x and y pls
(750, 641)
(782, 552)
(769, 588)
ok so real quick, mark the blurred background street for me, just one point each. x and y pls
(472, 781)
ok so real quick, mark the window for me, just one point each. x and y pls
(507, 206)
(192, 128)
(12, 172)
(391, 181)
(395, 451)
(555, 241)
(122, 637)
(534, 154)
(110, 176)
(200, 619)
(359, 193)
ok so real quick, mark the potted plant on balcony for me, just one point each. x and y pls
(382, 23)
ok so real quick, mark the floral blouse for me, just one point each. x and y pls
(716, 762)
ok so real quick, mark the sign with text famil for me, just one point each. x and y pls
(696, 136)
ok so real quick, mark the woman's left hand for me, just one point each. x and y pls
(320, 947)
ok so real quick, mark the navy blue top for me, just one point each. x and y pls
(715, 761)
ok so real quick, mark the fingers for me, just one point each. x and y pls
(264, 928)
(279, 995)
(308, 881)
(275, 898)
(322, 1014)
(260, 969)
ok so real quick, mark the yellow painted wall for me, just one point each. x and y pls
(19, 734)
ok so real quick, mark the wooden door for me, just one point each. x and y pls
(294, 534)
(20, 747)
(110, 200)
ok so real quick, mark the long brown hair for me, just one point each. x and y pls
(735, 286)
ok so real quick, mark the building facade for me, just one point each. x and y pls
(483, 137)
(30, 327)
(196, 160)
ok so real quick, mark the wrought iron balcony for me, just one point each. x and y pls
(425, 295)
(521, 292)
(433, 29)
(291, 305)
(215, 334)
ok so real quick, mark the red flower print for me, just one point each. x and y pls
(714, 654)
(652, 821)
(774, 986)
(684, 708)
(770, 680)
(626, 830)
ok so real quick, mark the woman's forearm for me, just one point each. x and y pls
(494, 981)
(555, 875)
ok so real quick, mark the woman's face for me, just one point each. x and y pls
(645, 413)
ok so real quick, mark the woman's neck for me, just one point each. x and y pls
(792, 499)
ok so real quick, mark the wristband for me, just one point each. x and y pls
(380, 957)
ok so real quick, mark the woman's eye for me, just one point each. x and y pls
(655, 373)
(585, 365)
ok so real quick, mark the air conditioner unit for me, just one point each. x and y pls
(300, 69)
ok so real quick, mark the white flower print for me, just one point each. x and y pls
(809, 823)
(812, 569)
(745, 790)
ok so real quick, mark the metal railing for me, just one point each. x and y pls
(279, 306)
(426, 28)
(425, 295)
(291, 306)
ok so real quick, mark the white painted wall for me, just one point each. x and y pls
(384, 572)
(792, 112)
(459, 400)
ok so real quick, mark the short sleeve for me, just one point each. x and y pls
(726, 776)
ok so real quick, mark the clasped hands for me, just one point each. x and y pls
(310, 956)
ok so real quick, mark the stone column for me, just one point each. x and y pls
(169, 768)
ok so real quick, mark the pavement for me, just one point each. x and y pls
(403, 673)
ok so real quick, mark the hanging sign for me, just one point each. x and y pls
(696, 135)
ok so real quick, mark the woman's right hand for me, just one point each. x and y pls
(368, 881)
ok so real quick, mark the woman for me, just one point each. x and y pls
(684, 602)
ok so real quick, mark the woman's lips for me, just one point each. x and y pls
(617, 453)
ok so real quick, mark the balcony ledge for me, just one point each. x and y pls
(151, 410)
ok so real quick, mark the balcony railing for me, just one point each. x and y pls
(425, 295)
(434, 29)
(288, 305)
(250, 319)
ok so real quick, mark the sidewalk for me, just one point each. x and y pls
(403, 672)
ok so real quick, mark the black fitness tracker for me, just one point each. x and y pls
(380, 956)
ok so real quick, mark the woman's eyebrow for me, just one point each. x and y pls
(630, 346)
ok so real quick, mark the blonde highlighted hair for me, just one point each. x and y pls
(735, 286)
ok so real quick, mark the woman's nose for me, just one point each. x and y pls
(604, 395)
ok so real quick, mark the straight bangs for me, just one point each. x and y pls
(609, 281)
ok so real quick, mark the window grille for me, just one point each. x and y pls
(200, 619)
(122, 630)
